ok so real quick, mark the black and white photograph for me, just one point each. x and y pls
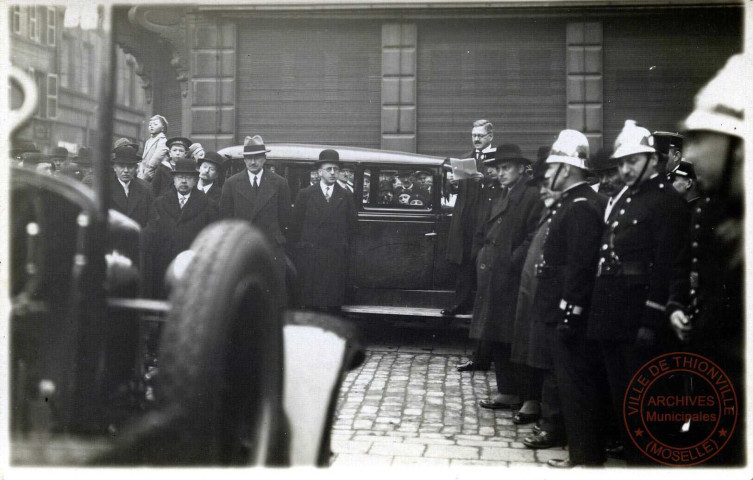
(375, 237)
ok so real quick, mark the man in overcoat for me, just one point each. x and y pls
(644, 248)
(324, 219)
(128, 194)
(211, 173)
(262, 198)
(565, 272)
(182, 213)
(500, 247)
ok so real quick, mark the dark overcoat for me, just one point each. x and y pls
(162, 181)
(175, 228)
(648, 230)
(502, 243)
(268, 209)
(322, 232)
(138, 205)
(465, 217)
(529, 337)
(213, 195)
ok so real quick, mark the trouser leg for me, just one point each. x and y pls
(506, 372)
(465, 285)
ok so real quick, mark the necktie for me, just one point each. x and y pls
(125, 188)
(182, 201)
(327, 194)
(256, 182)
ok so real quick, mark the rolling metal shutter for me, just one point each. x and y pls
(655, 64)
(315, 81)
(510, 71)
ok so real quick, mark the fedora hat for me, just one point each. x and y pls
(182, 140)
(328, 156)
(125, 154)
(185, 165)
(84, 157)
(59, 152)
(571, 148)
(213, 157)
(507, 152)
(254, 146)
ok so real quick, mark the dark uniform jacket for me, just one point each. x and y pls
(502, 243)
(268, 209)
(174, 229)
(644, 251)
(162, 181)
(139, 203)
(322, 232)
(465, 217)
(567, 266)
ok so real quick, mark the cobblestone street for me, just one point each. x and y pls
(408, 405)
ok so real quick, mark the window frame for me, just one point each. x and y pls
(375, 170)
(34, 32)
(52, 27)
(52, 97)
(16, 19)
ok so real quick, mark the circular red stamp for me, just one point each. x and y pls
(680, 409)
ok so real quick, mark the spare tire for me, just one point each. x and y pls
(221, 354)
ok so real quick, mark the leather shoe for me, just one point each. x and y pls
(450, 312)
(492, 405)
(521, 418)
(471, 366)
(543, 439)
(566, 463)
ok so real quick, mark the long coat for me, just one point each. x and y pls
(465, 217)
(502, 242)
(322, 232)
(268, 209)
(648, 227)
(139, 203)
(175, 228)
(529, 337)
(213, 195)
(162, 181)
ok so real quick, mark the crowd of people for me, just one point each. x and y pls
(579, 268)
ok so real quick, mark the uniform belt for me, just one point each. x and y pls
(607, 269)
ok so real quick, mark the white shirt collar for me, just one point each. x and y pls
(257, 175)
(125, 185)
(205, 187)
(180, 195)
(324, 187)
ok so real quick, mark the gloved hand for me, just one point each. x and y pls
(565, 333)
(681, 325)
(646, 337)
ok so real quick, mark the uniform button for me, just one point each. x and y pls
(615, 223)
(482, 266)
(622, 211)
(549, 221)
(695, 260)
(604, 247)
(635, 222)
(698, 210)
(695, 244)
(499, 220)
(692, 291)
(661, 185)
(629, 200)
(696, 226)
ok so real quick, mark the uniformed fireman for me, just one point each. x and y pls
(713, 320)
(566, 272)
(643, 251)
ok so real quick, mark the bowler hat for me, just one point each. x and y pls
(663, 141)
(508, 152)
(185, 165)
(59, 152)
(84, 157)
(254, 146)
(125, 154)
(213, 157)
(328, 156)
(182, 140)
(603, 160)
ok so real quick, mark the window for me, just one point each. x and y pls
(52, 23)
(87, 65)
(16, 19)
(41, 81)
(33, 23)
(66, 58)
(403, 188)
(52, 95)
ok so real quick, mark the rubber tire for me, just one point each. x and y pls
(221, 355)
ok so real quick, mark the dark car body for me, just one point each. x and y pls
(397, 260)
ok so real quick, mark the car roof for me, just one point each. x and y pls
(310, 152)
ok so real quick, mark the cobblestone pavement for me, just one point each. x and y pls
(409, 406)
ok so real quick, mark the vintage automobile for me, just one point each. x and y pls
(242, 379)
(397, 263)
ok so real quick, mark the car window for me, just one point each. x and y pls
(404, 188)
(449, 189)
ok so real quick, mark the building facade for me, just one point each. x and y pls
(63, 62)
(414, 78)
